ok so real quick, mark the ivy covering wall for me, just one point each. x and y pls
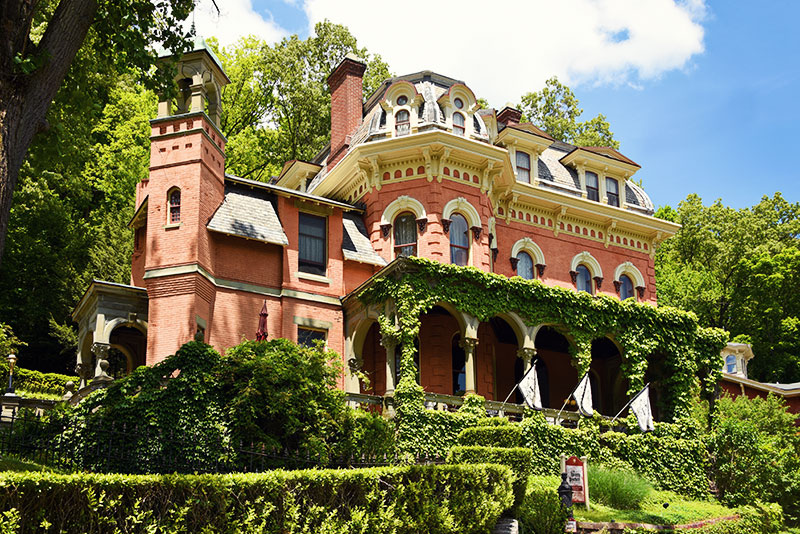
(690, 352)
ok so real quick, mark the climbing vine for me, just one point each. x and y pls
(687, 350)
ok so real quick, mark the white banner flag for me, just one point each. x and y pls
(529, 387)
(640, 406)
(583, 396)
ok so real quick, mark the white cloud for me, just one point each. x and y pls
(236, 19)
(505, 48)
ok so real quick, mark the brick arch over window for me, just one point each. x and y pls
(631, 270)
(401, 204)
(462, 206)
(526, 244)
(589, 261)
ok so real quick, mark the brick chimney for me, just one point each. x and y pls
(509, 116)
(346, 85)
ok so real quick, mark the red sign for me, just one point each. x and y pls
(576, 478)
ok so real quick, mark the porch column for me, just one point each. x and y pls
(391, 379)
(469, 344)
(527, 354)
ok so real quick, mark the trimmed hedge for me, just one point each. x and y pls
(517, 458)
(36, 382)
(491, 436)
(541, 511)
(397, 500)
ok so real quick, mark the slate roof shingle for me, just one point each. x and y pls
(248, 214)
(355, 242)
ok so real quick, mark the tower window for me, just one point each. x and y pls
(405, 235)
(458, 124)
(175, 206)
(459, 240)
(401, 122)
(592, 190)
(523, 167)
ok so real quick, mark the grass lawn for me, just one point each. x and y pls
(9, 463)
(680, 510)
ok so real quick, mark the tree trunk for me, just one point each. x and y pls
(25, 98)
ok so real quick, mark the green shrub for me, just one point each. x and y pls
(392, 500)
(756, 519)
(33, 382)
(621, 489)
(541, 511)
(518, 459)
(491, 436)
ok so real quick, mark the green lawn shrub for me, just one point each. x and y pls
(491, 436)
(620, 488)
(518, 459)
(32, 382)
(541, 511)
(446, 499)
(756, 519)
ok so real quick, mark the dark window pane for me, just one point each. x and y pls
(307, 336)
(584, 280)
(625, 287)
(459, 367)
(592, 191)
(405, 235)
(312, 244)
(730, 363)
(175, 206)
(525, 266)
(612, 192)
(459, 240)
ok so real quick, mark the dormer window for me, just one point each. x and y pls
(612, 192)
(730, 363)
(592, 189)
(458, 103)
(402, 100)
(401, 122)
(523, 167)
(458, 124)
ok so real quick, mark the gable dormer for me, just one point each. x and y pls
(401, 104)
(525, 143)
(460, 109)
(603, 173)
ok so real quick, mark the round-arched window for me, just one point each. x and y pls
(401, 122)
(584, 279)
(458, 124)
(405, 235)
(625, 288)
(175, 206)
(459, 240)
(525, 266)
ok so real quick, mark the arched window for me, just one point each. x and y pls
(405, 235)
(584, 279)
(523, 167)
(459, 239)
(458, 124)
(625, 287)
(401, 122)
(525, 266)
(175, 206)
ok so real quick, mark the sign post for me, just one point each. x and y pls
(575, 468)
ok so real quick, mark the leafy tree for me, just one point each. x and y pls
(8, 341)
(39, 41)
(277, 106)
(737, 269)
(556, 109)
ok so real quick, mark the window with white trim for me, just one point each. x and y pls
(584, 279)
(405, 235)
(592, 187)
(525, 266)
(312, 253)
(523, 167)
(459, 240)
(402, 126)
(458, 124)
(626, 288)
(612, 192)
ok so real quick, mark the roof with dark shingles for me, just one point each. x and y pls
(355, 241)
(246, 213)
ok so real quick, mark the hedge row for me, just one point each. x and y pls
(37, 382)
(517, 458)
(411, 499)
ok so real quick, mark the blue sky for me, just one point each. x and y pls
(700, 94)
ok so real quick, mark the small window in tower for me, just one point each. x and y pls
(405, 235)
(402, 125)
(175, 206)
(612, 192)
(402, 100)
(458, 124)
(592, 190)
(523, 167)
